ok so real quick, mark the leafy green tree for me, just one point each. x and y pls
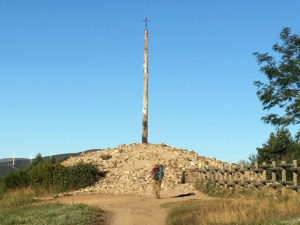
(282, 88)
(280, 146)
(38, 159)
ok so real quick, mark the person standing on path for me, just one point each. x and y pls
(157, 175)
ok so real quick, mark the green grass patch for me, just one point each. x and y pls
(16, 208)
(53, 214)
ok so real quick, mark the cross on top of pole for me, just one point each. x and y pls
(146, 21)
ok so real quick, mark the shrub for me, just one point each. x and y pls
(38, 159)
(52, 177)
(78, 176)
(43, 174)
(15, 180)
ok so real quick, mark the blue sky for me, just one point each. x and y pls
(71, 74)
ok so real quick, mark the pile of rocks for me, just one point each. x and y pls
(128, 168)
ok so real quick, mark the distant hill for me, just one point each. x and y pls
(6, 164)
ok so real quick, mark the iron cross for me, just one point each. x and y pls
(146, 21)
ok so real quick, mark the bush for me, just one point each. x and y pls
(15, 180)
(44, 174)
(38, 159)
(51, 176)
(78, 176)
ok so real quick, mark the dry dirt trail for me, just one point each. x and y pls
(130, 209)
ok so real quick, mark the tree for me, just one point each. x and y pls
(38, 159)
(243, 162)
(280, 146)
(252, 158)
(282, 88)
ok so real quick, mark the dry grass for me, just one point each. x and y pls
(15, 198)
(232, 211)
(247, 206)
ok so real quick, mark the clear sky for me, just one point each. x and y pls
(71, 73)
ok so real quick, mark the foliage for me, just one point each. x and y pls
(12, 180)
(44, 174)
(252, 159)
(280, 146)
(38, 159)
(51, 176)
(78, 176)
(282, 88)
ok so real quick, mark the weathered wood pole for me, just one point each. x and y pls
(274, 172)
(283, 178)
(264, 174)
(145, 98)
(256, 173)
(242, 174)
(295, 175)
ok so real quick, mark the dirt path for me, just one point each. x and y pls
(130, 209)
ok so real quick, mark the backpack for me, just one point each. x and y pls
(155, 173)
(161, 172)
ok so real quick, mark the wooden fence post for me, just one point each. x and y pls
(222, 175)
(264, 175)
(295, 175)
(249, 175)
(236, 176)
(226, 178)
(273, 172)
(283, 178)
(230, 176)
(242, 175)
(256, 173)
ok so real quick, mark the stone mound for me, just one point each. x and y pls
(129, 167)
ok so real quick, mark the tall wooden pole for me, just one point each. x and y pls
(145, 98)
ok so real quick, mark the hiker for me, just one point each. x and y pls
(157, 175)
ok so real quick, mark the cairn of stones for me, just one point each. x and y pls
(128, 169)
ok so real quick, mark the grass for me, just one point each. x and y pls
(54, 214)
(17, 198)
(17, 208)
(233, 211)
(244, 206)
